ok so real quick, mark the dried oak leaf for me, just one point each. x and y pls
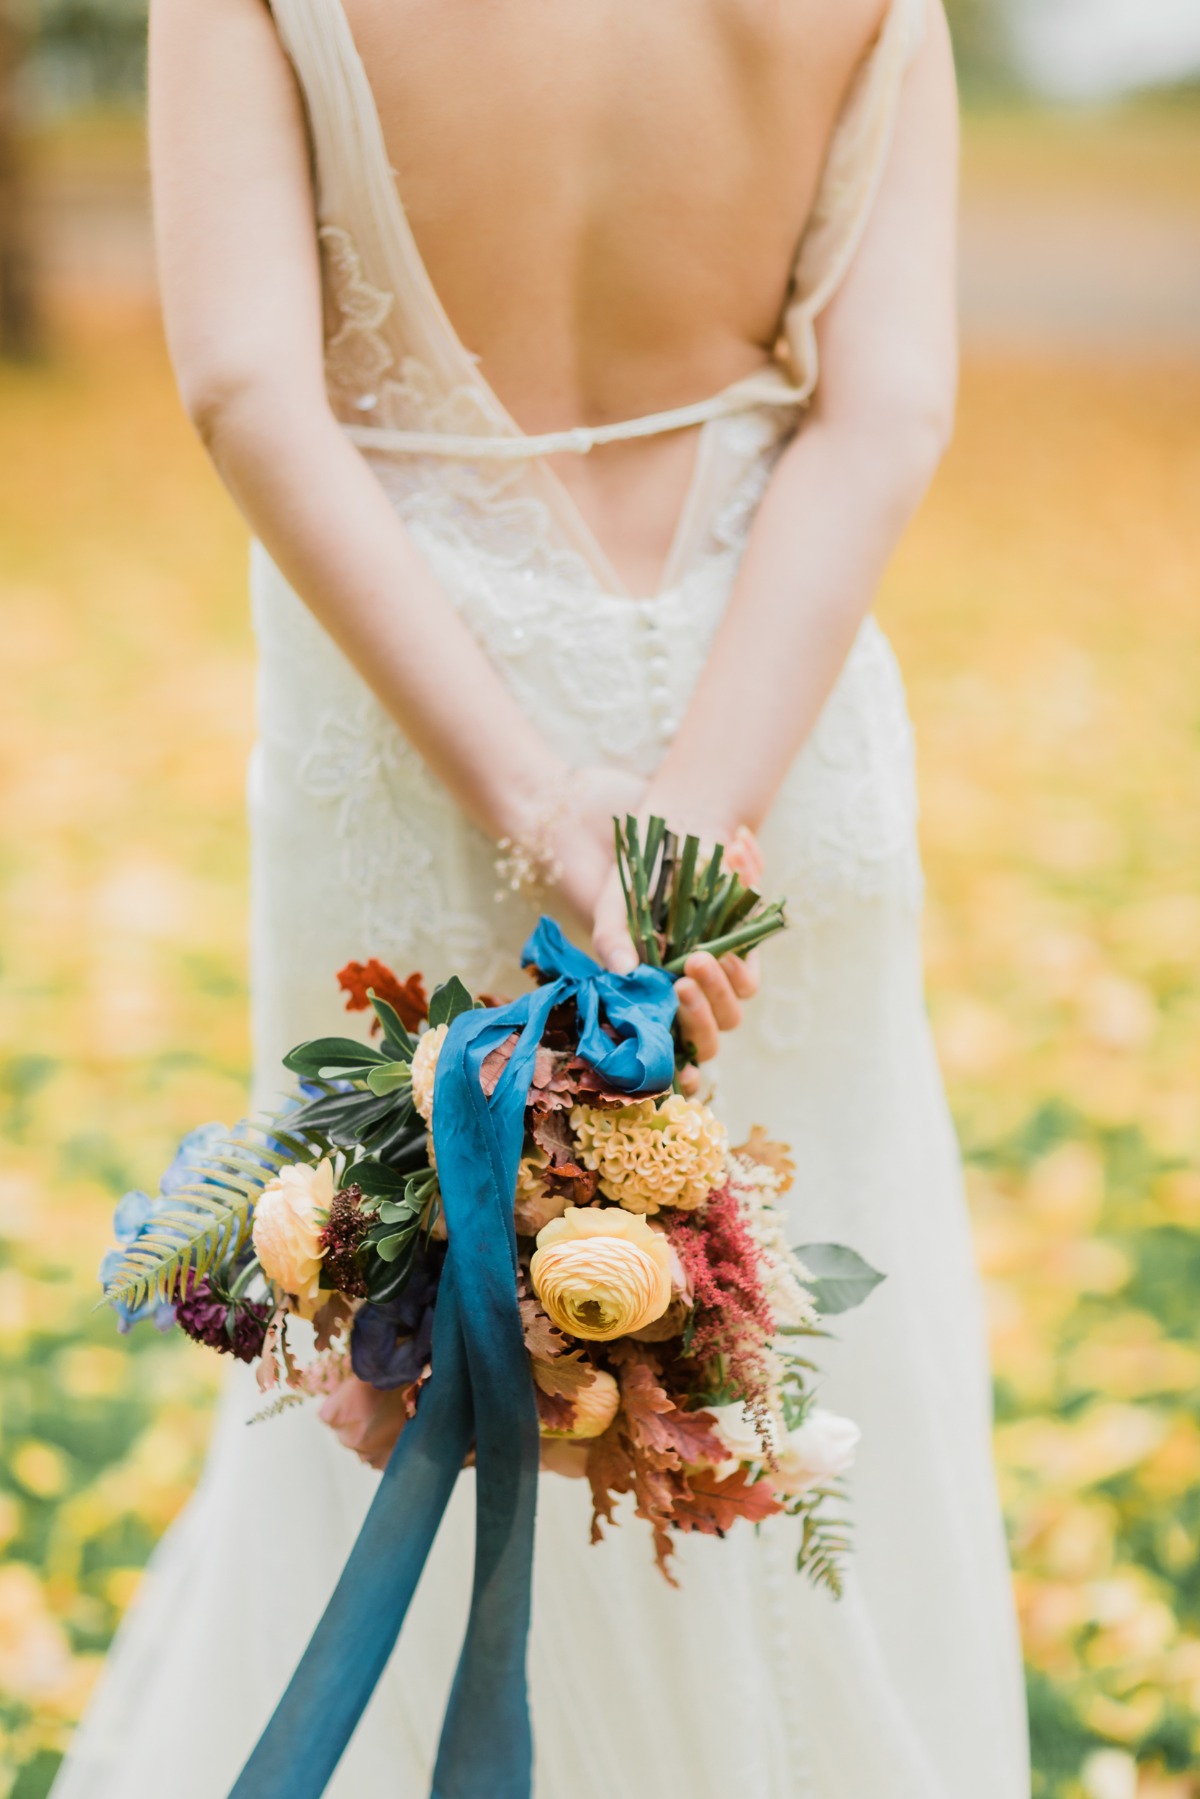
(711, 1505)
(552, 1134)
(551, 1089)
(565, 1376)
(495, 1062)
(609, 1472)
(764, 1150)
(554, 1410)
(408, 998)
(589, 1085)
(543, 1340)
(332, 1317)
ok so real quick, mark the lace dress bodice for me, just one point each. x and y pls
(606, 676)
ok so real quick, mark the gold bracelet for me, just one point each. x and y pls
(529, 863)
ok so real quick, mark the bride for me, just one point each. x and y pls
(577, 365)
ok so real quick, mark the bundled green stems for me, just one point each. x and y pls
(678, 904)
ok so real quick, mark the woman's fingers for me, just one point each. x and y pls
(697, 1025)
(614, 949)
(717, 987)
(689, 1080)
(743, 973)
(611, 942)
(744, 856)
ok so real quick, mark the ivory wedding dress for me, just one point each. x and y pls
(745, 1680)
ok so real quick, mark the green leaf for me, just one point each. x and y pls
(448, 1001)
(393, 1211)
(841, 1279)
(377, 1181)
(395, 1035)
(388, 1248)
(327, 1058)
(390, 1078)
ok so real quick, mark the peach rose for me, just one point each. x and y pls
(596, 1405)
(601, 1272)
(424, 1068)
(289, 1216)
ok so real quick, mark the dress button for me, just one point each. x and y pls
(660, 695)
(366, 402)
(668, 728)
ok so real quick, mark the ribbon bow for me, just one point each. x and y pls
(480, 1391)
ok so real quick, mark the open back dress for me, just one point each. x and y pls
(746, 1680)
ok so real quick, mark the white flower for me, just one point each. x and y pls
(740, 1434)
(757, 1188)
(819, 1450)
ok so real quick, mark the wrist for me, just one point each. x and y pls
(690, 813)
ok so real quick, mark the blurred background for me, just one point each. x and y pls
(1045, 607)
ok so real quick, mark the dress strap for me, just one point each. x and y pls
(854, 171)
(770, 388)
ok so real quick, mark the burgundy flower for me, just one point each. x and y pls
(344, 1231)
(235, 1328)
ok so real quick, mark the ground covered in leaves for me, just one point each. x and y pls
(1044, 608)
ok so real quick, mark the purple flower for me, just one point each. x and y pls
(235, 1328)
(390, 1343)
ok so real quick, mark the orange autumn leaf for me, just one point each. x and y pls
(408, 998)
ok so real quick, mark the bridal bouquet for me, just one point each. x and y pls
(664, 1316)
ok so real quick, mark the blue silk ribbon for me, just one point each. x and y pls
(479, 1392)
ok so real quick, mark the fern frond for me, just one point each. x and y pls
(208, 1219)
(824, 1543)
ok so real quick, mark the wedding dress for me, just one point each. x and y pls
(745, 1680)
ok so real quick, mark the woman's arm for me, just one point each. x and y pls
(845, 490)
(241, 290)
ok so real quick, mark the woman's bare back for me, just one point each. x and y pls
(608, 198)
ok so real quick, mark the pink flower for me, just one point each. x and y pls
(366, 1419)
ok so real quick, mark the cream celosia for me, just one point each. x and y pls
(601, 1272)
(424, 1068)
(289, 1216)
(653, 1153)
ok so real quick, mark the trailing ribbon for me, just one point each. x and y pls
(480, 1391)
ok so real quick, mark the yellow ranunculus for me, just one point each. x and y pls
(596, 1405)
(601, 1272)
(288, 1220)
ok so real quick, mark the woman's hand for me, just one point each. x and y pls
(710, 991)
(582, 839)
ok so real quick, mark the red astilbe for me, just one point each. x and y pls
(732, 1317)
(408, 998)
